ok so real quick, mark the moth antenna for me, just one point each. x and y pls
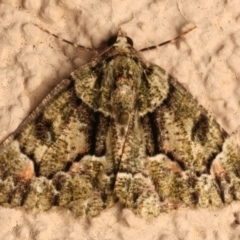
(166, 42)
(66, 41)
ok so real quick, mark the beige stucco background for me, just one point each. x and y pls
(206, 62)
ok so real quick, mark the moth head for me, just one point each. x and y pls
(120, 39)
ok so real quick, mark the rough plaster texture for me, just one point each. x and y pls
(206, 62)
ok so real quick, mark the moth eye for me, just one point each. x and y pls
(130, 41)
(112, 40)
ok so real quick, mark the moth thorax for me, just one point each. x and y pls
(123, 99)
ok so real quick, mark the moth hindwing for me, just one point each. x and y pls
(119, 130)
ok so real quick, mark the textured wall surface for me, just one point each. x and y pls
(206, 62)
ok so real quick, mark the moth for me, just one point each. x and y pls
(119, 130)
